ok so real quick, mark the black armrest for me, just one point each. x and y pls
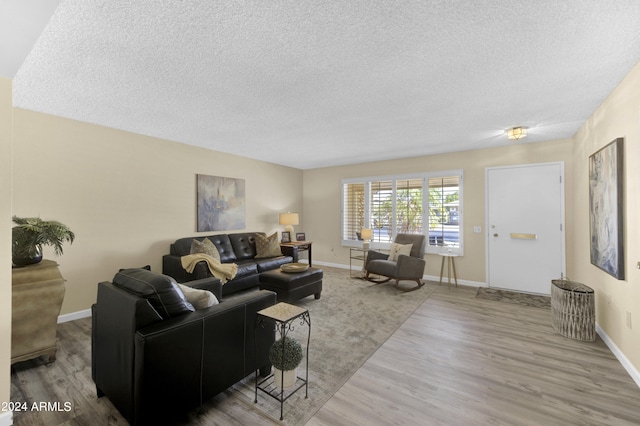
(172, 266)
(117, 314)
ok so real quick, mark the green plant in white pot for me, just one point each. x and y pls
(285, 356)
(31, 233)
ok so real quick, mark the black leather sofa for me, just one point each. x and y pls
(154, 365)
(238, 248)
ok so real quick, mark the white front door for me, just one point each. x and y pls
(525, 226)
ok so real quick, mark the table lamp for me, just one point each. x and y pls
(289, 219)
(367, 235)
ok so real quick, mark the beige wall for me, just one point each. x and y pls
(618, 116)
(5, 242)
(127, 196)
(322, 197)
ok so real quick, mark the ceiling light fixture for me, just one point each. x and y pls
(517, 133)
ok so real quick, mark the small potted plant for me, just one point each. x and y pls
(285, 356)
(31, 233)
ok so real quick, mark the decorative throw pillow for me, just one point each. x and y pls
(267, 246)
(205, 246)
(161, 291)
(398, 249)
(200, 299)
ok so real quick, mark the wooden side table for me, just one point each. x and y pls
(37, 295)
(295, 247)
(449, 258)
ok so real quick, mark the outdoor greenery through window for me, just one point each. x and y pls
(444, 211)
(394, 205)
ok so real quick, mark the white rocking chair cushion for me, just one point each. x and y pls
(398, 249)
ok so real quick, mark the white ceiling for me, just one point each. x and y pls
(21, 22)
(314, 83)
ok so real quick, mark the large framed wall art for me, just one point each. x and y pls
(221, 203)
(606, 204)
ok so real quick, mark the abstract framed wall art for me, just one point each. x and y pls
(221, 203)
(606, 204)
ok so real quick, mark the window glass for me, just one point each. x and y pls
(353, 211)
(444, 211)
(409, 206)
(427, 203)
(381, 202)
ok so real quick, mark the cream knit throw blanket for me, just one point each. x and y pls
(223, 271)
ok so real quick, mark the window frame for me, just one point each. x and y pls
(425, 176)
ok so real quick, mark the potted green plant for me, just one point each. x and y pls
(31, 233)
(285, 356)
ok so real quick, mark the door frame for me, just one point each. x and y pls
(487, 234)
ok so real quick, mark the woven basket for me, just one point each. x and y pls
(573, 310)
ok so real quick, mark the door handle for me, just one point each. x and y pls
(495, 235)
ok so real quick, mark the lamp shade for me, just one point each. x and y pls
(289, 218)
(366, 234)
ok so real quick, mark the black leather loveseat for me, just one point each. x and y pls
(155, 358)
(238, 248)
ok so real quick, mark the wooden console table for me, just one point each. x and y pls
(37, 295)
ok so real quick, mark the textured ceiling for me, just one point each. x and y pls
(318, 83)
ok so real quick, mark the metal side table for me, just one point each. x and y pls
(358, 254)
(285, 317)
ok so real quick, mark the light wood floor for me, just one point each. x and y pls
(457, 360)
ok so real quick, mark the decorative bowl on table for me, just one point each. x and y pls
(294, 267)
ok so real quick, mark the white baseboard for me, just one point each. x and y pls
(6, 418)
(333, 265)
(633, 372)
(460, 282)
(74, 316)
(425, 277)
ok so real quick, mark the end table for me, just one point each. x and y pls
(293, 248)
(358, 254)
(450, 259)
(284, 316)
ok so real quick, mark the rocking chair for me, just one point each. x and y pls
(399, 266)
